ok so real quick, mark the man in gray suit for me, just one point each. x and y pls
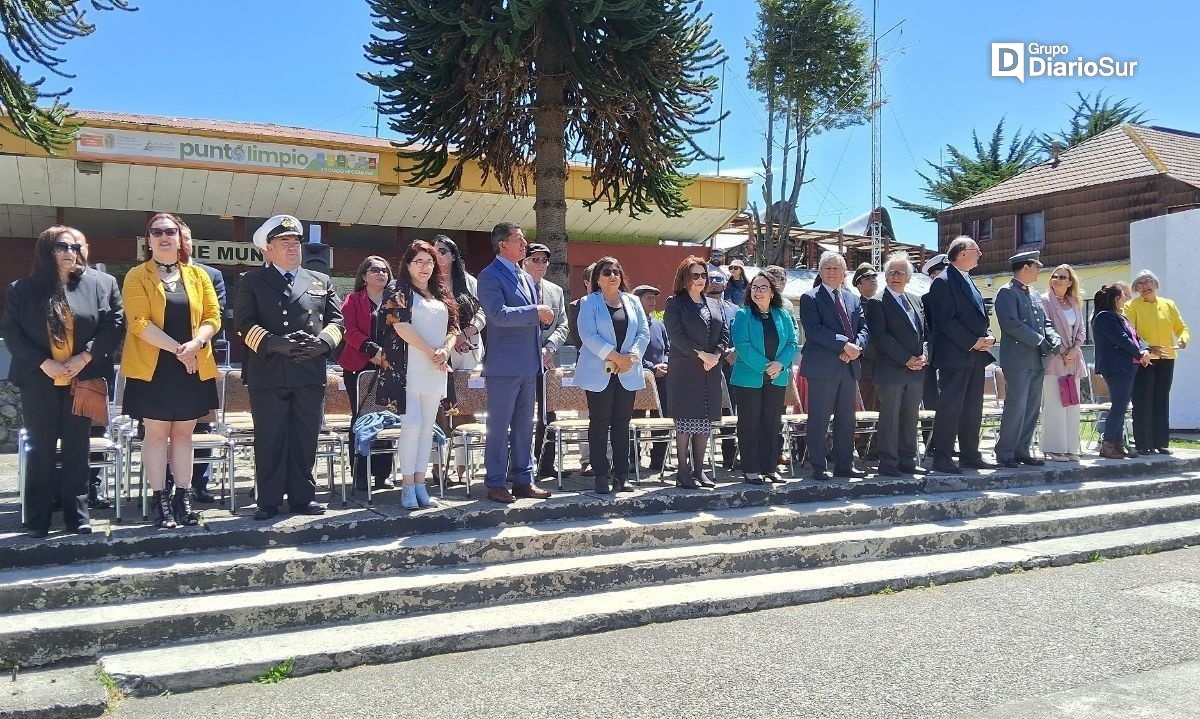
(1026, 337)
(554, 335)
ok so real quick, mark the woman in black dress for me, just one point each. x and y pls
(699, 338)
(168, 361)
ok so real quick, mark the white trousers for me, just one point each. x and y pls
(416, 436)
(1060, 425)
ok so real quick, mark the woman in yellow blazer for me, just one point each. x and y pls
(168, 363)
(1157, 321)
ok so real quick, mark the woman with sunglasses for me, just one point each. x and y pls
(614, 332)
(422, 314)
(170, 372)
(1064, 307)
(699, 338)
(363, 352)
(765, 339)
(63, 322)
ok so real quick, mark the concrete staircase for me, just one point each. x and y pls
(159, 618)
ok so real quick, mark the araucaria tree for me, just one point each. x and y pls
(809, 59)
(521, 85)
(36, 30)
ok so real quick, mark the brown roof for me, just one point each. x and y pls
(1119, 153)
(251, 128)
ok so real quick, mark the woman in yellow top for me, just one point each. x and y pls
(168, 362)
(1158, 323)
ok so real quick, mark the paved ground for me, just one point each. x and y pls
(972, 649)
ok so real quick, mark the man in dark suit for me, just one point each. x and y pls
(835, 335)
(1026, 338)
(290, 318)
(960, 352)
(512, 364)
(896, 319)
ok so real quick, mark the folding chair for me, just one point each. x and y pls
(331, 440)
(795, 424)
(727, 423)
(1097, 410)
(563, 396)
(642, 429)
(470, 394)
(236, 423)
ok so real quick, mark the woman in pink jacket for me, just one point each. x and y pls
(1064, 307)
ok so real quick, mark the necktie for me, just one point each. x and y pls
(288, 277)
(841, 310)
(912, 315)
(538, 288)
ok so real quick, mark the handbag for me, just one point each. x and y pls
(1068, 390)
(91, 399)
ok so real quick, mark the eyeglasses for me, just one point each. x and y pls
(699, 275)
(760, 288)
(1059, 277)
(610, 272)
(376, 271)
(161, 231)
(538, 260)
(716, 278)
(443, 251)
(421, 263)
(896, 273)
(62, 248)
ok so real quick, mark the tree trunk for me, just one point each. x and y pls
(550, 153)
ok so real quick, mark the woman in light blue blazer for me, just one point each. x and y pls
(614, 332)
(764, 337)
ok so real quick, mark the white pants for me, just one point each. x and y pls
(416, 437)
(1060, 425)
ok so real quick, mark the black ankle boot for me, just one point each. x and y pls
(182, 505)
(162, 501)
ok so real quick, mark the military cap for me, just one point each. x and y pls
(276, 226)
(864, 270)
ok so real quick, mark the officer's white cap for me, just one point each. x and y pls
(276, 226)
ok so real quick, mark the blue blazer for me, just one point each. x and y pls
(821, 327)
(1115, 347)
(599, 338)
(956, 321)
(514, 334)
(750, 343)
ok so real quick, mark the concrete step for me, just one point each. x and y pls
(67, 692)
(124, 542)
(42, 637)
(109, 583)
(189, 666)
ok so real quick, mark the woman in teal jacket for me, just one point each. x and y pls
(764, 337)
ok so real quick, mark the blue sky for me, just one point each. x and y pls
(294, 62)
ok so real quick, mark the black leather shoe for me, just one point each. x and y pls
(849, 473)
(100, 502)
(753, 478)
(265, 513)
(38, 533)
(821, 475)
(889, 472)
(946, 466)
(1010, 463)
(913, 469)
(312, 508)
(703, 480)
(685, 481)
(979, 463)
(204, 496)
(1032, 461)
(601, 486)
(774, 478)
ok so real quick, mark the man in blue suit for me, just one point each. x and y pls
(961, 350)
(512, 364)
(835, 335)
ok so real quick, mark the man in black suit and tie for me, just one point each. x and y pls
(835, 334)
(896, 320)
(960, 351)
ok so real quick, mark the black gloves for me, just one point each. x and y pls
(306, 346)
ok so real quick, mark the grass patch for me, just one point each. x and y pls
(886, 591)
(1185, 443)
(278, 673)
(115, 695)
(1096, 557)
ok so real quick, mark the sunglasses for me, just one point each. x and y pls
(161, 231)
(1059, 277)
(540, 260)
(443, 251)
(62, 248)
(699, 275)
(376, 271)
(610, 272)
(716, 278)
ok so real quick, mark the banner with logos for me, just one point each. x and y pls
(163, 148)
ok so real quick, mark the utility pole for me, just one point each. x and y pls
(875, 220)
(721, 114)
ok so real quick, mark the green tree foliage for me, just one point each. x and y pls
(36, 30)
(810, 60)
(964, 175)
(520, 85)
(1091, 116)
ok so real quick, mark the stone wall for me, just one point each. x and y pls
(10, 416)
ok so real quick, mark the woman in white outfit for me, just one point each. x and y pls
(423, 315)
(1064, 307)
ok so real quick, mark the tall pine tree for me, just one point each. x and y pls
(521, 85)
(36, 30)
